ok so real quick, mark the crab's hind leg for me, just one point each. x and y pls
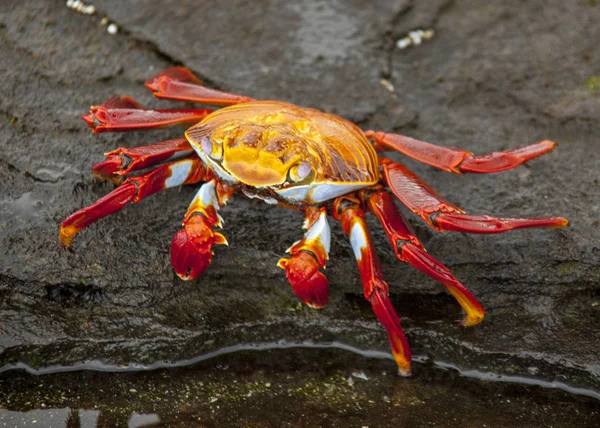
(179, 83)
(123, 160)
(442, 215)
(122, 113)
(457, 160)
(409, 249)
(307, 256)
(134, 189)
(347, 210)
(191, 248)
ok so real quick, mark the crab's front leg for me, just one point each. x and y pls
(179, 83)
(121, 113)
(308, 256)
(122, 161)
(347, 210)
(191, 248)
(134, 189)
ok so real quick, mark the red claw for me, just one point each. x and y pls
(123, 113)
(108, 169)
(308, 283)
(191, 248)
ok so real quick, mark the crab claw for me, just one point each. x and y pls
(191, 249)
(108, 169)
(308, 283)
(97, 118)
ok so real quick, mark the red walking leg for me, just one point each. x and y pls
(122, 161)
(409, 249)
(191, 248)
(123, 113)
(307, 256)
(186, 171)
(456, 160)
(376, 290)
(442, 215)
(179, 83)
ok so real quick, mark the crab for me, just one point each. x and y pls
(299, 158)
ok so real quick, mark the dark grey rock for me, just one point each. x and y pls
(495, 76)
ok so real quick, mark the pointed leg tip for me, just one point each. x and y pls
(474, 314)
(66, 235)
(387, 316)
(90, 119)
(548, 145)
(405, 371)
(471, 321)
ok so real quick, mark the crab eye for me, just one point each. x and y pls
(301, 171)
(211, 148)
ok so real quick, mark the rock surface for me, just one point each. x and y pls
(495, 76)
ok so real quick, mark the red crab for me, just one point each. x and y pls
(298, 158)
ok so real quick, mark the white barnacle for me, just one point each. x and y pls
(112, 29)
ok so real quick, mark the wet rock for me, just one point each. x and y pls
(495, 76)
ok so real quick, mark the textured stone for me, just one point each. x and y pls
(495, 76)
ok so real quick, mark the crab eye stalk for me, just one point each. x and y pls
(211, 148)
(301, 171)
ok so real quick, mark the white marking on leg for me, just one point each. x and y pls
(320, 232)
(320, 192)
(326, 191)
(207, 194)
(294, 194)
(358, 239)
(206, 197)
(179, 173)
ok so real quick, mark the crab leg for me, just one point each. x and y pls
(123, 113)
(124, 160)
(456, 160)
(179, 83)
(308, 255)
(134, 189)
(191, 248)
(442, 215)
(376, 290)
(409, 249)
